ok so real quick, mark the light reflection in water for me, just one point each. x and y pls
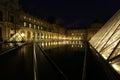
(50, 44)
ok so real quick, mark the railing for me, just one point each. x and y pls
(84, 61)
(9, 46)
(35, 69)
(55, 66)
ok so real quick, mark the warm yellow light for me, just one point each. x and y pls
(49, 43)
(22, 34)
(72, 46)
(42, 44)
(46, 44)
(116, 67)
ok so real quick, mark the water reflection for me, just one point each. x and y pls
(4, 46)
(8, 45)
(54, 44)
(68, 59)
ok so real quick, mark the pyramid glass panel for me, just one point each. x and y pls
(108, 50)
(116, 64)
(116, 52)
(107, 41)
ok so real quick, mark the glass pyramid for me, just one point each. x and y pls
(107, 41)
(17, 39)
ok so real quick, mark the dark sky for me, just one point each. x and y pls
(73, 11)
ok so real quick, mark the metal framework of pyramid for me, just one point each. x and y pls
(107, 41)
(17, 37)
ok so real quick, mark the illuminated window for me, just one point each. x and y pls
(34, 20)
(34, 26)
(24, 17)
(41, 28)
(80, 38)
(30, 25)
(72, 33)
(25, 24)
(29, 19)
(42, 36)
(38, 27)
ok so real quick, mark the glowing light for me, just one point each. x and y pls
(38, 27)
(46, 44)
(72, 33)
(59, 42)
(30, 25)
(116, 67)
(22, 34)
(54, 43)
(42, 44)
(73, 42)
(29, 19)
(41, 28)
(72, 45)
(49, 43)
(43, 37)
(81, 45)
(34, 26)
(25, 24)
(24, 17)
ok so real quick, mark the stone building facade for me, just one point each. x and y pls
(15, 23)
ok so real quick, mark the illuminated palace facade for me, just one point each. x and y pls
(15, 23)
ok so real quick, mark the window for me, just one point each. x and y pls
(30, 25)
(72, 33)
(24, 17)
(29, 19)
(41, 28)
(34, 26)
(34, 20)
(25, 24)
(38, 27)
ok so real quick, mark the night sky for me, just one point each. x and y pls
(72, 11)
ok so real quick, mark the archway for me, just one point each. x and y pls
(28, 35)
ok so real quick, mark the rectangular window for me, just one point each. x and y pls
(30, 25)
(34, 26)
(25, 24)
